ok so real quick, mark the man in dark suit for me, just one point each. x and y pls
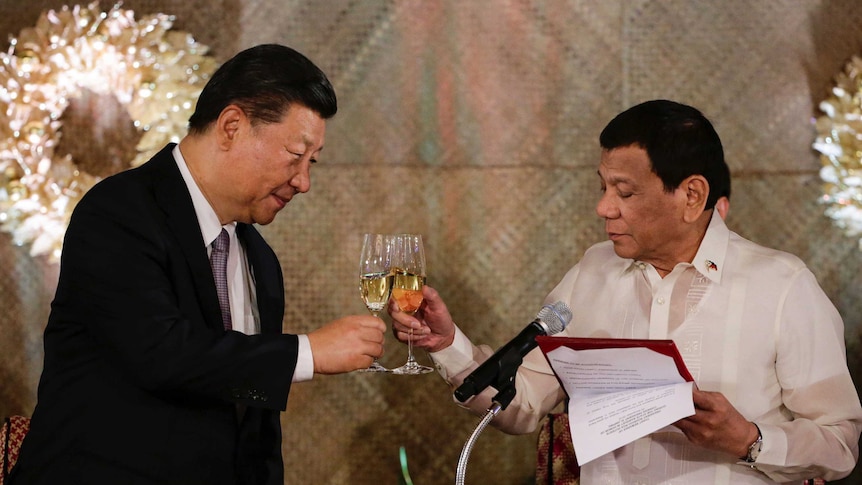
(150, 376)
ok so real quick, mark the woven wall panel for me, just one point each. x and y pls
(742, 63)
(475, 124)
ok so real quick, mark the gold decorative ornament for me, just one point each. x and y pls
(155, 73)
(839, 141)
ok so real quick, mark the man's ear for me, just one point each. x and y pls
(696, 190)
(722, 205)
(228, 125)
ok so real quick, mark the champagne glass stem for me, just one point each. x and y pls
(412, 366)
(376, 366)
(410, 359)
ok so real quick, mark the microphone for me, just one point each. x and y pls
(551, 320)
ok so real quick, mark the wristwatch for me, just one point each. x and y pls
(754, 449)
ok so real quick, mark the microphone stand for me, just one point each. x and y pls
(505, 385)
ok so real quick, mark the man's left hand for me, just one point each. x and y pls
(717, 425)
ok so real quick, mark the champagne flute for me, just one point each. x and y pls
(375, 279)
(408, 270)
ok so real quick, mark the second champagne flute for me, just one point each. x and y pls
(408, 270)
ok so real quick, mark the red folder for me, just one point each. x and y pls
(665, 347)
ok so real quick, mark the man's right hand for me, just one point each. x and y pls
(347, 344)
(433, 328)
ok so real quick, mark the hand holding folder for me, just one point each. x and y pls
(619, 389)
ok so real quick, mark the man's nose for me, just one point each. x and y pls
(605, 207)
(302, 180)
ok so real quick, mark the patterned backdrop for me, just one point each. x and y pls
(475, 123)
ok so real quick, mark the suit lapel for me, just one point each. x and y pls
(269, 285)
(173, 198)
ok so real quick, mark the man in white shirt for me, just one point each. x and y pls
(774, 400)
(165, 360)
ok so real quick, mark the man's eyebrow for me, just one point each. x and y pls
(310, 143)
(614, 178)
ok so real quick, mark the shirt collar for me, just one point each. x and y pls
(207, 218)
(711, 255)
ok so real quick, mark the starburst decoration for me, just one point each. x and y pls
(839, 141)
(154, 72)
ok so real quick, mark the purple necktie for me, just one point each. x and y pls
(218, 261)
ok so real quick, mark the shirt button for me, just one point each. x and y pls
(660, 300)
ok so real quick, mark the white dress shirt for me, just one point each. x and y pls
(750, 322)
(241, 290)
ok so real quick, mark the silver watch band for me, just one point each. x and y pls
(754, 449)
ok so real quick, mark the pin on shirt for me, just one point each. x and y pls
(710, 266)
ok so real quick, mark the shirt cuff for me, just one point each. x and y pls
(304, 361)
(455, 358)
(773, 448)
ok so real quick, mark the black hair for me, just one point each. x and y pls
(679, 141)
(264, 81)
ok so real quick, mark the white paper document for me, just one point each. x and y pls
(617, 395)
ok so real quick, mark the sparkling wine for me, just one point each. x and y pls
(407, 291)
(375, 288)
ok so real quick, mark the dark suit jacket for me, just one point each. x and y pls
(140, 382)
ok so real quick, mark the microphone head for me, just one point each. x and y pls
(555, 317)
